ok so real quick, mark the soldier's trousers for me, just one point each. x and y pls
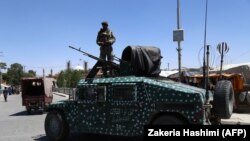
(106, 52)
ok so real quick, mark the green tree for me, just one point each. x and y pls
(2, 66)
(61, 80)
(30, 73)
(76, 76)
(70, 78)
(4, 76)
(15, 73)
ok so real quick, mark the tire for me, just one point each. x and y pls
(248, 98)
(168, 120)
(56, 127)
(223, 99)
(28, 109)
(242, 96)
(42, 111)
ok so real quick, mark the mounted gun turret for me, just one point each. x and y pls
(136, 61)
(105, 65)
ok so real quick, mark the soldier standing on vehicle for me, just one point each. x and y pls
(105, 39)
(5, 93)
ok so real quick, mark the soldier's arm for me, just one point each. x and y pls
(98, 39)
(112, 38)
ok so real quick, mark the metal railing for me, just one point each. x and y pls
(68, 91)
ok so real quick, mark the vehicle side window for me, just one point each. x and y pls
(101, 93)
(87, 93)
(124, 92)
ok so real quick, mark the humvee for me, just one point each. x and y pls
(133, 96)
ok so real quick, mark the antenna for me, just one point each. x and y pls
(205, 64)
(222, 48)
(205, 44)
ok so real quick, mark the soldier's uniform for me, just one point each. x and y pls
(105, 40)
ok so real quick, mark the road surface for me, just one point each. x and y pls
(16, 125)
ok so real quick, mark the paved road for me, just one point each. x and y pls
(16, 125)
(238, 119)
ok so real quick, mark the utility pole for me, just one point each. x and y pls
(178, 36)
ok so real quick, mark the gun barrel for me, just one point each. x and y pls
(96, 58)
(85, 53)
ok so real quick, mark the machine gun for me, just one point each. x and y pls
(107, 66)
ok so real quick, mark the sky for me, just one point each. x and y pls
(37, 33)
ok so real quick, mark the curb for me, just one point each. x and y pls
(60, 94)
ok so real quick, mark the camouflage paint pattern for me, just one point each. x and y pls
(127, 117)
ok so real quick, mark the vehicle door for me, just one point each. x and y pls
(123, 107)
(92, 106)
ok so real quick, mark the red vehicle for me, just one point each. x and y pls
(36, 93)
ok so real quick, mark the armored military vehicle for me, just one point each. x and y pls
(123, 102)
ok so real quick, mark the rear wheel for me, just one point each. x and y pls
(168, 120)
(28, 109)
(242, 96)
(223, 99)
(56, 127)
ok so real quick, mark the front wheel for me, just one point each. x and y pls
(56, 127)
(28, 109)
